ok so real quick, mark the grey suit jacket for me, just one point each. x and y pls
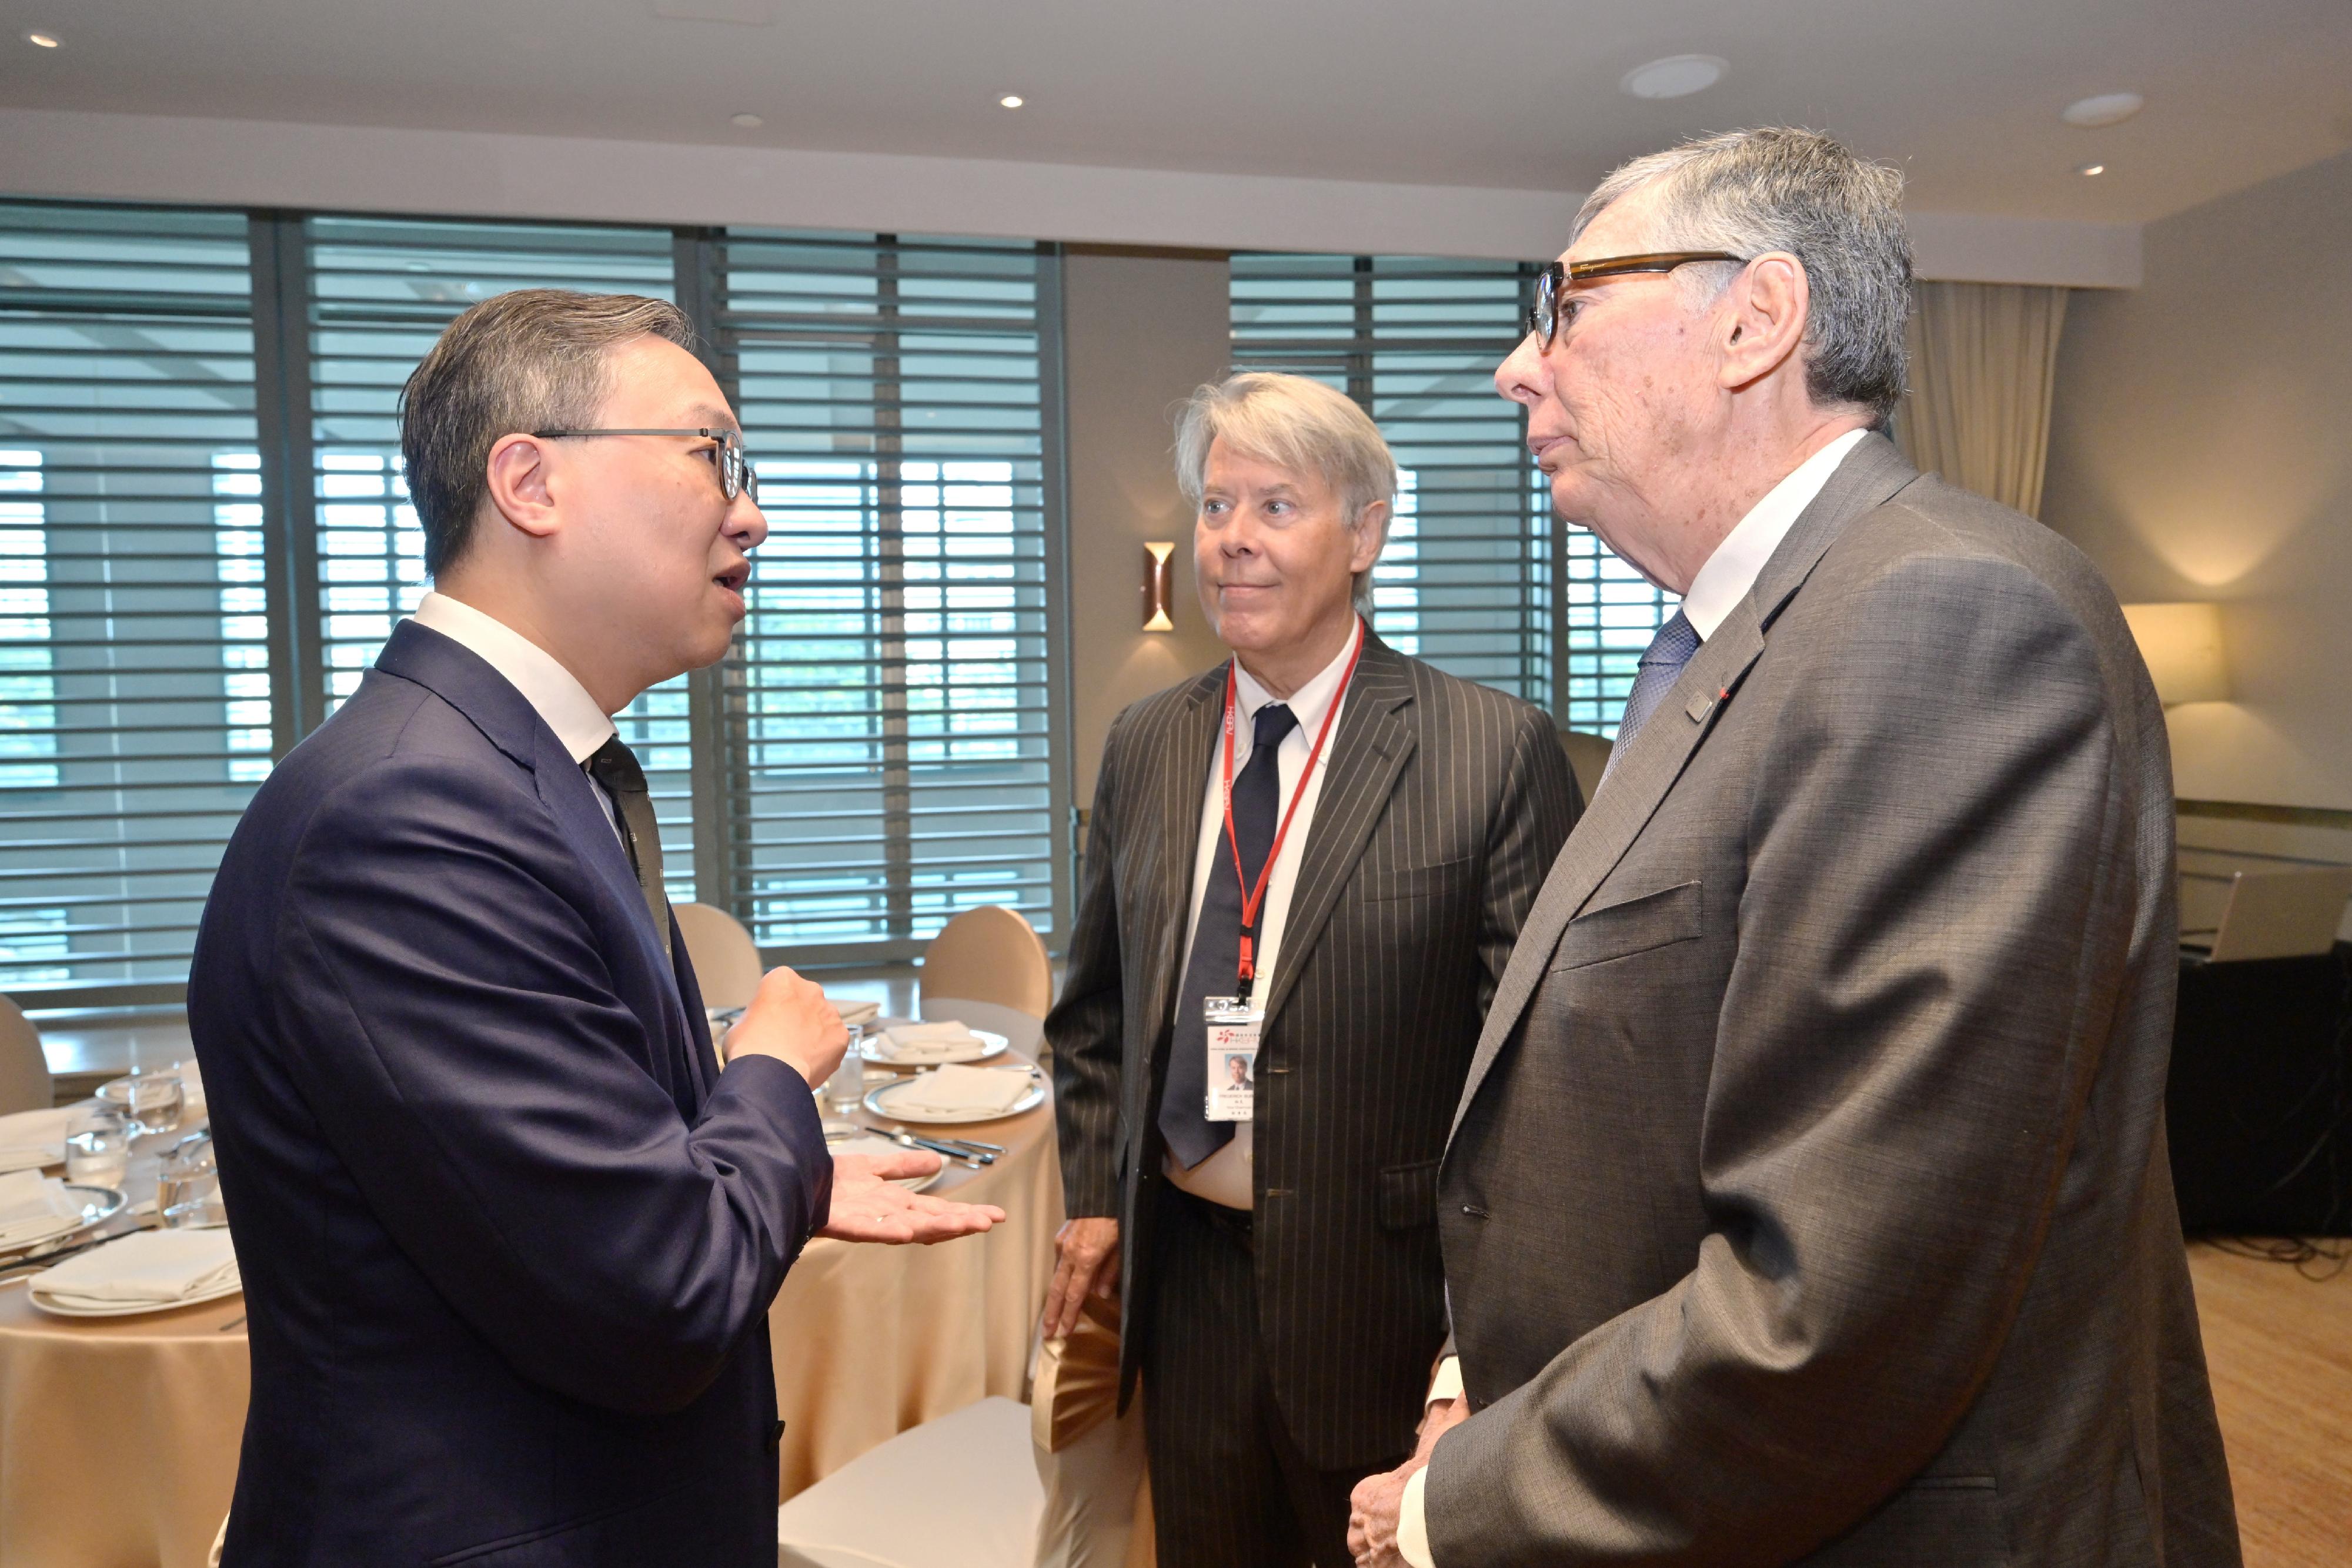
(1442, 805)
(1808, 1199)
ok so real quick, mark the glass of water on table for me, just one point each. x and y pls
(98, 1149)
(846, 1087)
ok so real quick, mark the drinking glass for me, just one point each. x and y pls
(846, 1087)
(188, 1195)
(156, 1100)
(98, 1149)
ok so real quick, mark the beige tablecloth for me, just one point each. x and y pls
(119, 1437)
(870, 1341)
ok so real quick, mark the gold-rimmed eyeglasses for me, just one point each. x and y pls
(1552, 282)
(736, 475)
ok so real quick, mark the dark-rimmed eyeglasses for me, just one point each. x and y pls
(1543, 316)
(736, 475)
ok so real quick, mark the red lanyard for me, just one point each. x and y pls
(1255, 898)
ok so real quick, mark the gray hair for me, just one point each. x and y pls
(1749, 191)
(1294, 422)
(533, 359)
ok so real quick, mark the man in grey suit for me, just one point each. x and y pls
(1808, 1201)
(1350, 841)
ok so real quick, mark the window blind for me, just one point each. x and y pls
(888, 713)
(135, 684)
(1466, 581)
(380, 292)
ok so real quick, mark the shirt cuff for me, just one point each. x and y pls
(1412, 1529)
(1447, 1384)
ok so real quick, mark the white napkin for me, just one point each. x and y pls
(856, 1013)
(960, 1089)
(32, 1206)
(31, 1139)
(154, 1267)
(946, 1041)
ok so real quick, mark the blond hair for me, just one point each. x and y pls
(1294, 422)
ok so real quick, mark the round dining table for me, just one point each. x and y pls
(119, 1437)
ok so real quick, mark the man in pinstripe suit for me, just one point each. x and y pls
(1351, 839)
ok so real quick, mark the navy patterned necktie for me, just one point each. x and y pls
(1662, 666)
(1215, 964)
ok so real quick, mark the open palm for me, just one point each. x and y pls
(867, 1208)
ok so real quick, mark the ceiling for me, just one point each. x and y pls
(1965, 95)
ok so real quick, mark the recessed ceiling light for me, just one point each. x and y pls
(2092, 169)
(1012, 100)
(2107, 109)
(745, 122)
(1678, 75)
(43, 40)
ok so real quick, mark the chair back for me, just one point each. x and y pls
(726, 960)
(1588, 759)
(990, 955)
(24, 1072)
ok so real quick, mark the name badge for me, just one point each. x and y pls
(1233, 1031)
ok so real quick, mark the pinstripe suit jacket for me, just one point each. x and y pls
(1808, 1201)
(1442, 806)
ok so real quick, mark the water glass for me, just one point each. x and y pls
(188, 1195)
(98, 1149)
(846, 1087)
(156, 1101)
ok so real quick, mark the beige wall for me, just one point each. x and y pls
(2201, 448)
(1142, 329)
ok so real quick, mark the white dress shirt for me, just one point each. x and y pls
(555, 693)
(1722, 582)
(1226, 1176)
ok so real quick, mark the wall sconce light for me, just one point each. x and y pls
(2183, 645)
(1157, 592)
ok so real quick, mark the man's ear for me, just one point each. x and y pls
(1770, 303)
(1371, 530)
(520, 485)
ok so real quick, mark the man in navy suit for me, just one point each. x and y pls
(508, 1230)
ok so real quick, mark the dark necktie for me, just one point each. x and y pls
(1662, 666)
(614, 766)
(1215, 964)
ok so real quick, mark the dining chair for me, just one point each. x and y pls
(24, 1072)
(726, 960)
(988, 969)
(957, 1489)
(1588, 759)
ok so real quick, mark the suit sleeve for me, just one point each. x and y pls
(1086, 1027)
(1925, 944)
(1539, 805)
(453, 1025)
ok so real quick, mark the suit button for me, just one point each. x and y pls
(775, 1437)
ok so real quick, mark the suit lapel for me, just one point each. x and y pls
(1183, 768)
(1369, 752)
(1871, 474)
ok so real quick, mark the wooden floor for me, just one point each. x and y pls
(2279, 1345)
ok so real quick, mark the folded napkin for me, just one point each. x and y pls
(856, 1013)
(155, 1267)
(32, 1206)
(947, 1040)
(31, 1139)
(955, 1089)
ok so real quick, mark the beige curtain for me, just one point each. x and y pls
(1983, 358)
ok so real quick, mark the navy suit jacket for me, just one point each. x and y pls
(509, 1237)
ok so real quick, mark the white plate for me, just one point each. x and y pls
(99, 1205)
(990, 1045)
(133, 1309)
(874, 1143)
(879, 1102)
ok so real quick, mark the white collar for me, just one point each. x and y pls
(578, 723)
(1732, 570)
(1308, 705)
